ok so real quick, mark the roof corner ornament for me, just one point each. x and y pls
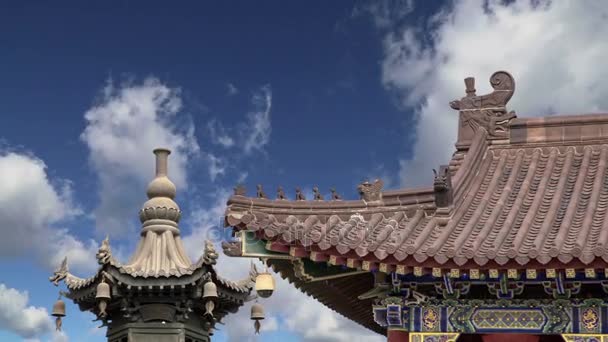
(260, 191)
(104, 253)
(300, 195)
(281, 193)
(210, 255)
(371, 191)
(442, 186)
(488, 111)
(317, 193)
(240, 190)
(60, 273)
(335, 196)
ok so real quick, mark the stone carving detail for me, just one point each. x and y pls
(299, 195)
(260, 192)
(335, 195)
(240, 190)
(317, 194)
(487, 111)
(104, 253)
(371, 191)
(60, 273)
(442, 185)
(130, 309)
(210, 255)
(281, 193)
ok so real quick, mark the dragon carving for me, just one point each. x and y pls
(210, 255)
(488, 111)
(104, 253)
(442, 185)
(371, 191)
(60, 273)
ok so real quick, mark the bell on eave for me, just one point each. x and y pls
(257, 314)
(264, 284)
(103, 291)
(209, 290)
(58, 311)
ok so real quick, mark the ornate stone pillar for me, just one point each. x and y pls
(510, 337)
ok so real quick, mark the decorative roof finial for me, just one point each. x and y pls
(281, 193)
(371, 192)
(161, 186)
(442, 186)
(335, 195)
(260, 191)
(317, 193)
(300, 195)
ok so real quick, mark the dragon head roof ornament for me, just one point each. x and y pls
(485, 111)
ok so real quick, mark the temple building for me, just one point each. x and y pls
(159, 295)
(509, 242)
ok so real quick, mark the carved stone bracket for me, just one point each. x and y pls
(486, 111)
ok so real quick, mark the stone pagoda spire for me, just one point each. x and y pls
(160, 251)
(159, 294)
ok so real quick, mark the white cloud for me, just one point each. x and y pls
(257, 129)
(218, 134)
(17, 317)
(31, 208)
(555, 51)
(232, 89)
(384, 13)
(123, 128)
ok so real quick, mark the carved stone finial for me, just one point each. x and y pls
(104, 253)
(60, 273)
(240, 190)
(335, 195)
(210, 255)
(260, 192)
(485, 111)
(442, 185)
(317, 194)
(299, 195)
(371, 192)
(281, 193)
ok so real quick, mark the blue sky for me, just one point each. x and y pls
(322, 93)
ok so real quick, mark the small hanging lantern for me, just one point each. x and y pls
(58, 311)
(257, 314)
(209, 296)
(264, 284)
(103, 296)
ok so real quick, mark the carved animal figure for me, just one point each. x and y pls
(240, 190)
(232, 248)
(442, 185)
(104, 253)
(299, 195)
(260, 192)
(281, 193)
(60, 273)
(334, 195)
(371, 192)
(317, 194)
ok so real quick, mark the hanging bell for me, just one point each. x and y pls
(257, 314)
(264, 284)
(103, 295)
(210, 296)
(209, 290)
(103, 291)
(58, 311)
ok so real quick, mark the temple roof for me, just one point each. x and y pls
(531, 192)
